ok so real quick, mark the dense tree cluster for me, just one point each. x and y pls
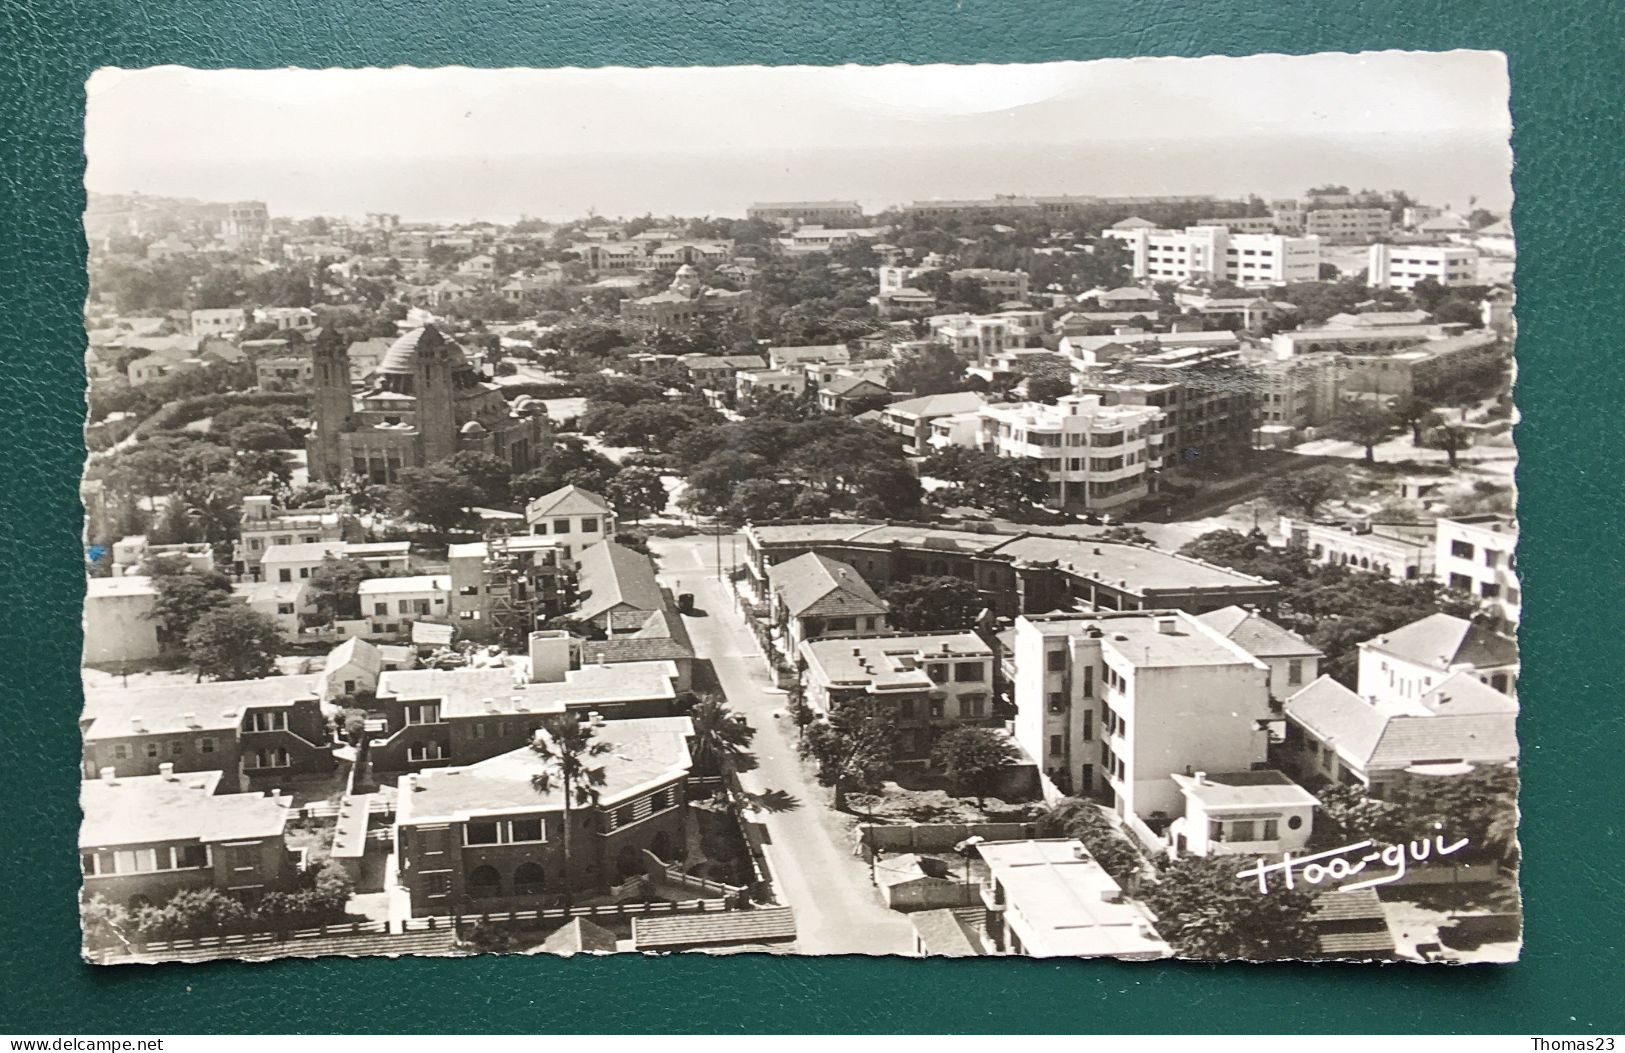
(1334, 607)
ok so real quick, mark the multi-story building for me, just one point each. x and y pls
(1402, 266)
(255, 731)
(1015, 573)
(1398, 550)
(145, 838)
(287, 603)
(912, 419)
(1215, 254)
(284, 372)
(752, 385)
(779, 358)
(392, 605)
(793, 213)
(510, 583)
(1115, 703)
(1293, 661)
(809, 239)
(247, 224)
(999, 285)
(571, 518)
(1205, 391)
(933, 681)
(1352, 339)
(1347, 226)
(297, 562)
(434, 717)
(1376, 743)
(1479, 555)
(219, 321)
(424, 404)
(1095, 458)
(1402, 666)
(483, 838)
(812, 596)
(118, 621)
(1050, 899)
(717, 372)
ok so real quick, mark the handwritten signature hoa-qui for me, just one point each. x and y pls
(1340, 864)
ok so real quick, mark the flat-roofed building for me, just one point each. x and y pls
(1478, 555)
(1115, 703)
(1213, 253)
(392, 605)
(1025, 573)
(933, 681)
(118, 622)
(1051, 899)
(146, 837)
(1255, 813)
(1093, 457)
(1402, 266)
(482, 838)
(1402, 551)
(434, 717)
(258, 732)
(797, 212)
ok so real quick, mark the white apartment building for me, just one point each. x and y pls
(390, 605)
(1478, 555)
(1347, 225)
(1115, 703)
(219, 321)
(983, 337)
(1096, 458)
(895, 279)
(1401, 667)
(1000, 285)
(1402, 266)
(1216, 254)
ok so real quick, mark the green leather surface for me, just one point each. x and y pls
(1566, 74)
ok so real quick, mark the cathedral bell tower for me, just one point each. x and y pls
(434, 386)
(330, 404)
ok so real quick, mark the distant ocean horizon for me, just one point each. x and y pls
(1458, 170)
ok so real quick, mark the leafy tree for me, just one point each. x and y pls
(1304, 493)
(1047, 389)
(232, 642)
(718, 732)
(928, 371)
(567, 750)
(436, 496)
(711, 484)
(636, 492)
(933, 604)
(490, 475)
(1204, 911)
(761, 500)
(1452, 436)
(1003, 486)
(969, 756)
(1365, 424)
(652, 425)
(184, 595)
(853, 746)
(1347, 815)
(1481, 806)
(568, 460)
(259, 435)
(1082, 820)
(1412, 411)
(335, 585)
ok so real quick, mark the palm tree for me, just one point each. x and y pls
(718, 731)
(565, 746)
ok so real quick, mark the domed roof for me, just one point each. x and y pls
(686, 270)
(402, 354)
(473, 427)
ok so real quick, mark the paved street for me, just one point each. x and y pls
(837, 910)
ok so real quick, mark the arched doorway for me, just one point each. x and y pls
(484, 882)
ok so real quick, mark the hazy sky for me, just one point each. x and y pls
(459, 143)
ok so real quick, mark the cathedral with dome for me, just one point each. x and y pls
(423, 404)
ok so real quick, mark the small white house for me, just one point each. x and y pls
(391, 605)
(1261, 813)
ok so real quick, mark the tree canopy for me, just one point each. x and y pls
(970, 756)
(1204, 911)
(232, 642)
(853, 747)
(933, 604)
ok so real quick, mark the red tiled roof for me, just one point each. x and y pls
(698, 930)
